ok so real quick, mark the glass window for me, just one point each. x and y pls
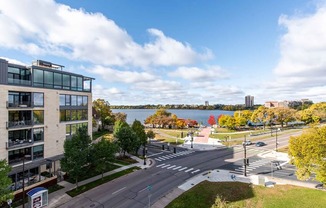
(68, 116)
(66, 81)
(62, 115)
(57, 80)
(80, 100)
(48, 79)
(38, 99)
(68, 130)
(85, 100)
(84, 114)
(38, 152)
(38, 134)
(38, 77)
(38, 117)
(62, 100)
(79, 115)
(73, 115)
(87, 85)
(73, 83)
(79, 83)
(73, 129)
(16, 156)
(73, 100)
(68, 100)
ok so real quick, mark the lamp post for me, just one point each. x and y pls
(25, 157)
(192, 139)
(144, 155)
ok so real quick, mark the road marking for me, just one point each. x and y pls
(177, 168)
(155, 154)
(188, 170)
(165, 166)
(118, 190)
(195, 171)
(183, 168)
(160, 165)
(158, 159)
(171, 167)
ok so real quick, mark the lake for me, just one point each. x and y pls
(198, 115)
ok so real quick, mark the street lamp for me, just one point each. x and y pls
(144, 155)
(25, 157)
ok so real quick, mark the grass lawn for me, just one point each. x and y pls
(86, 187)
(237, 194)
(100, 133)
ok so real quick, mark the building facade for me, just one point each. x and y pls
(249, 101)
(276, 104)
(41, 105)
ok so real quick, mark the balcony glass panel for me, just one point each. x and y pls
(38, 152)
(80, 100)
(38, 134)
(66, 81)
(74, 100)
(19, 119)
(19, 76)
(19, 137)
(38, 117)
(57, 80)
(19, 99)
(79, 83)
(73, 83)
(16, 156)
(85, 100)
(38, 77)
(38, 99)
(48, 79)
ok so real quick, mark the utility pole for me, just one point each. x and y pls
(245, 156)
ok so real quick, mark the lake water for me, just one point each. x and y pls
(198, 115)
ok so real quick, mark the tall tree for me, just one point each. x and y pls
(120, 116)
(76, 152)
(150, 134)
(211, 120)
(103, 154)
(139, 130)
(125, 137)
(308, 152)
(260, 115)
(5, 182)
(284, 115)
(102, 107)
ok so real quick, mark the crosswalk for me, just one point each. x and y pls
(249, 149)
(178, 168)
(172, 155)
(253, 165)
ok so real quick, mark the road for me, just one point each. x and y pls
(168, 171)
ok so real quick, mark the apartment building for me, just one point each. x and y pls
(40, 106)
(277, 104)
(249, 101)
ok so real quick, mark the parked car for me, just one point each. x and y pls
(260, 144)
(248, 142)
(319, 186)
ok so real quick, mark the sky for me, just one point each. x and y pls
(176, 51)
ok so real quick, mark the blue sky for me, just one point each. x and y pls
(176, 51)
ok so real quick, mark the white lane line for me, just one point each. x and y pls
(183, 169)
(188, 170)
(160, 165)
(155, 154)
(195, 171)
(171, 167)
(157, 159)
(177, 167)
(165, 166)
(118, 190)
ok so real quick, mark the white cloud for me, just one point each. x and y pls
(199, 74)
(46, 27)
(13, 61)
(303, 49)
(113, 75)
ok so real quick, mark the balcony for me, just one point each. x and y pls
(19, 82)
(19, 143)
(26, 104)
(19, 124)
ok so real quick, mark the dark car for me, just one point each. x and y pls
(319, 186)
(260, 144)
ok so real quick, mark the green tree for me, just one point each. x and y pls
(308, 153)
(102, 107)
(76, 154)
(150, 134)
(5, 182)
(284, 115)
(103, 154)
(139, 130)
(260, 115)
(125, 138)
(228, 121)
(117, 125)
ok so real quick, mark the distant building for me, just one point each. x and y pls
(249, 101)
(276, 104)
(206, 103)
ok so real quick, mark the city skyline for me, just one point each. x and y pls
(184, 52)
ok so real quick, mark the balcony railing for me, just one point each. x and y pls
(19, 143)
(19, 124)
(19, 81)
(27, 104)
